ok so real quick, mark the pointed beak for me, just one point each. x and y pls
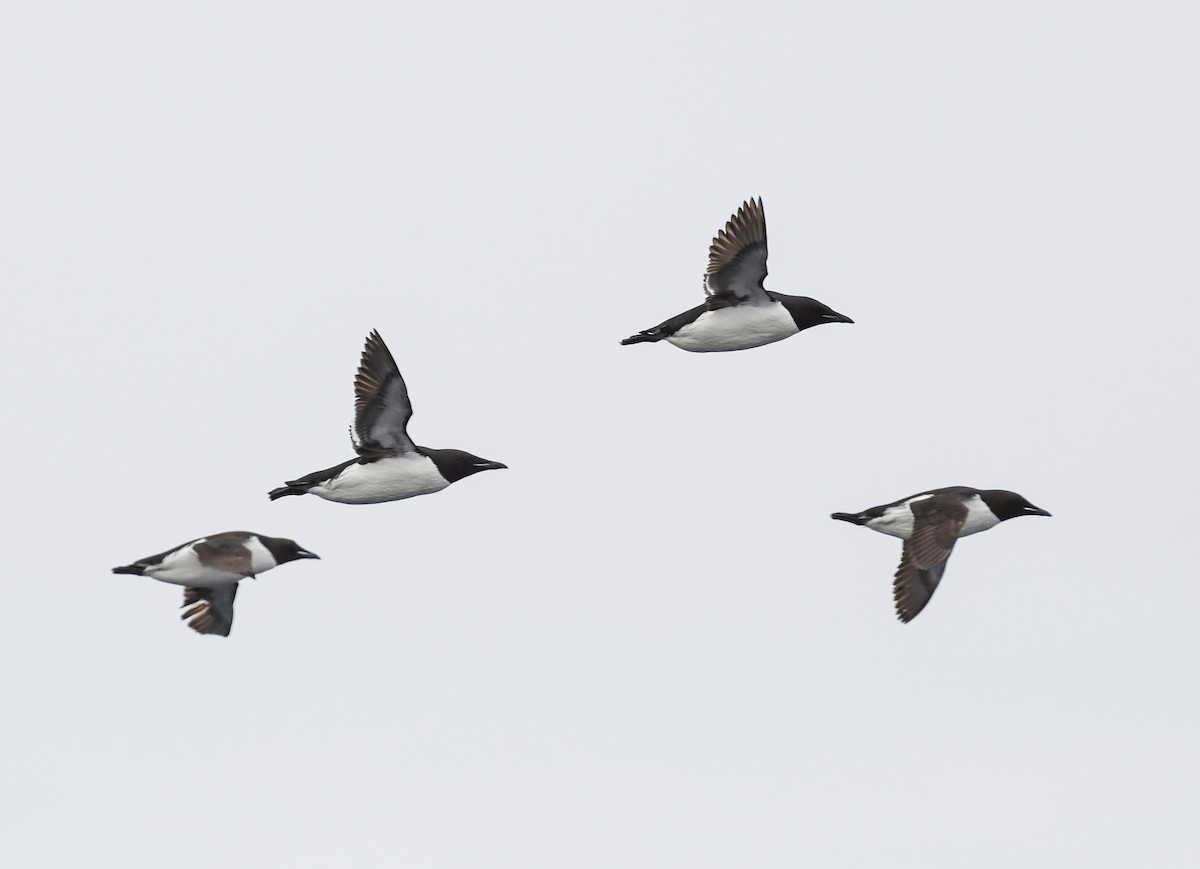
(835, 317)
(1038, 511)
(492, 466)
(304, 553)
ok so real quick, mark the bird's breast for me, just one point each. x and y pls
(261, 559)
(390, 479)
(735, 328)
(979, 517)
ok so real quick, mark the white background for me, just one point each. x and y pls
(646, 644)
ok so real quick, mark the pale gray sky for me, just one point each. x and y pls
(646, 644)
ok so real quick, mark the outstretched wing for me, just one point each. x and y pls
(381, 406)
(937, 522)
(211, 609)
(737, 259)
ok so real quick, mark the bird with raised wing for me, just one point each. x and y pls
(389, 466)
(210, 569)
(930, 523)
(738, 313)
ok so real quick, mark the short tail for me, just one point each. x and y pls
(130, 568)
(641, 337)
(295, 487)
(854, 518)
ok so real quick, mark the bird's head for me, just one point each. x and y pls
(808, 312)
(284, 550)
(454, 465)
(1009, 505)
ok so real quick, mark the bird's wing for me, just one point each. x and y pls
(228, 554)
(381, 406)
(211, 609)
(737, 259)
(936, 523)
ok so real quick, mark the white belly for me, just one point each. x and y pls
(898, 521)
(390, 479)
(184, 567)
(738, 328)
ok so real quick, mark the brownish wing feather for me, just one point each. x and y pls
(737, 259)
(937, 522)
(381, 405)
(211, 609)
(227, 553)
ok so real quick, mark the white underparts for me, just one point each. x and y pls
(183, 566)
(390, 479)
(897, 521)
(736, 328)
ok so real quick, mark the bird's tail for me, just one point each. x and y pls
(130, 568)
(640, 337)
(855, 518)
(294, 487)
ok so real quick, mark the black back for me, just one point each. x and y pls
(963, 492)
(1003, 504)
(138, 567)
(667, 328)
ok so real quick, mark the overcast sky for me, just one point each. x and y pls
(646, 644)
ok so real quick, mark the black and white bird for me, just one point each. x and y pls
(210, 569)
(929, 523)
(738, 313)
(389, 466)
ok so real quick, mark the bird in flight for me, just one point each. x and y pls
(930, 523)
(210, 569)
(738, 313)
(389, 466)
